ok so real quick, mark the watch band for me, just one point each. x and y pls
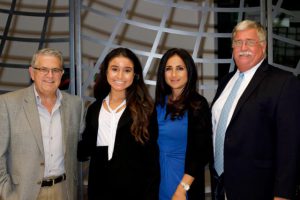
(185, 186)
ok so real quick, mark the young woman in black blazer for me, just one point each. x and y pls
(123, 154)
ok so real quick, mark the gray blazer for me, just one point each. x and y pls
(21, 145)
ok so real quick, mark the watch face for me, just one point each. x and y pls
(185, 186)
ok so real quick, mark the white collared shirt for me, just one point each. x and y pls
(108, 124)
(52, 136)
(218, 105)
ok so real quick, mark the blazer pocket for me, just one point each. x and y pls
(15, 179)
(263, 163)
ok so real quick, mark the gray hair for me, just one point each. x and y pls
(249, 24)
(48, 51)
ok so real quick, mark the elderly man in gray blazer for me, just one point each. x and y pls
(39, 128)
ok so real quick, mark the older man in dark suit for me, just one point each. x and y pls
(256, 124)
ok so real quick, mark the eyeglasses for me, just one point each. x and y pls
(249, 43)
(45, 70)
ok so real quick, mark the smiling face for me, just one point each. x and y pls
(176, 74)
(120, 74)
(248, 50)
(46, 84)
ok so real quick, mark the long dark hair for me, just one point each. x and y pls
(138, 98)
(176, 108)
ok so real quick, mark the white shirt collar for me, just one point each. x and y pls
(38, 98)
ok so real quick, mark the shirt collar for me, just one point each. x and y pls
(39, 101)
(252, 69)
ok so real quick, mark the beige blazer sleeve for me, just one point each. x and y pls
(21, 148)
(5, 180)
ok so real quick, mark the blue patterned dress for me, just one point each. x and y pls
(172, 141)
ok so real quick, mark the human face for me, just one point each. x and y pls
(120, 74)
(248, 50)
(46, 84)
(176, 75)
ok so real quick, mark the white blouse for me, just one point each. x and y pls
(108, 123)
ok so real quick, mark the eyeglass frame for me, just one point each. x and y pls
(45, 70)
(248, 42)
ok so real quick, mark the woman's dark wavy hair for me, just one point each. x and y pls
(177, 108)
(138, 98)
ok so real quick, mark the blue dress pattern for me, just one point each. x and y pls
(172, 141)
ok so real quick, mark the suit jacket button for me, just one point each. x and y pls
(42, 164)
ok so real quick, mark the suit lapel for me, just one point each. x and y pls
(64, 110)
(256, 80)
(124, 118)
(222, 86)
(32, 114)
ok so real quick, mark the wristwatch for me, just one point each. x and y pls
(185, 186)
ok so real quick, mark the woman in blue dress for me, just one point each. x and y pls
(184, 128)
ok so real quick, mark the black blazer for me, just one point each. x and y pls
(199, 145)
(133, 171)
(262, 142)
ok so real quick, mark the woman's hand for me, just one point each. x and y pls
(180, 193)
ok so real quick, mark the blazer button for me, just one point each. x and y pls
(42, 164)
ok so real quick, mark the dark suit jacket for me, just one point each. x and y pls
(199, 145)
(262, 142)
(133, 171)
